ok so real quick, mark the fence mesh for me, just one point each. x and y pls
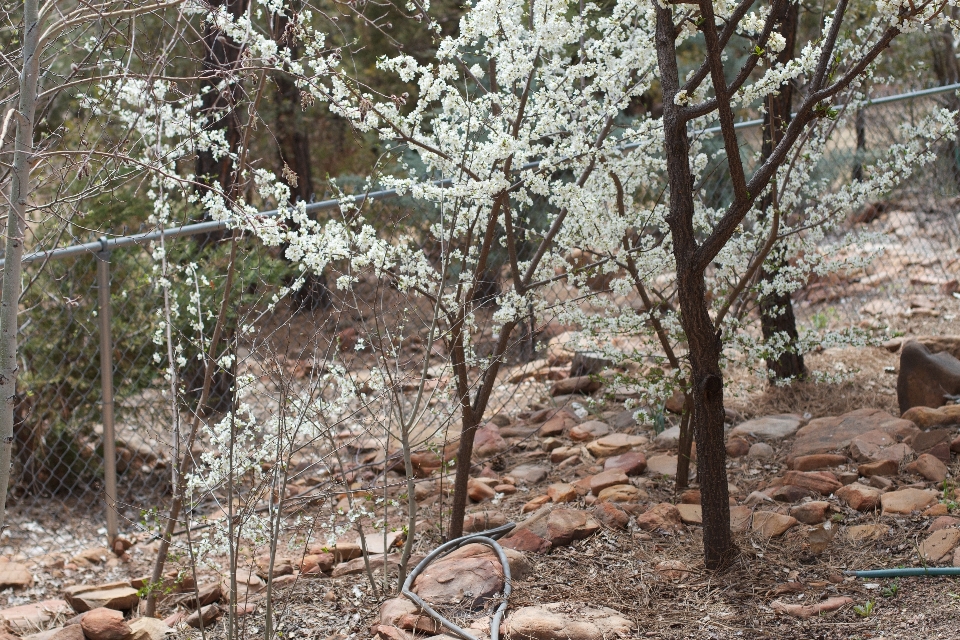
(58, 455)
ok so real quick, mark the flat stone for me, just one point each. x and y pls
(27, 618)
(790, 493)
(467, 577)
(68, 632)
(662, 517)
(899, 452)
(357, 565)
(488, 442)
(589, 430)
(929, 467)
(859, 497)
(104, 624)
(668, 438)
(770, 524)
(939, 545)
(940, 451)
(614, 444)
(92, 556)
(879, 468)
(827, 435)
(344, 551)
(737, 447)
(818, 461)
(929, 417)
(927, 440)
(906, 501)
(556, 424)
(621, 493)
(561, 492)
(776, 427)
(820, 536)
(761, 451)
(822, 482)
(579, 384)
(740, 518)
(632, 463)
(866, 532)
(935, 511)
(148, 629)
(557, 526)
(621, 420)
(479, 491)
(606, 479)
(483, 521)
(526, 541)
(529, 473)
(403, 614)
(119, 596)
(566, 621)
(849, 477)
(805, 611)
(610, 515)
(662, 465)
(534, 504)
(813, 512)
(560, 454)
(208, 615)
(690, 513)
(14, 574)
(943, 522)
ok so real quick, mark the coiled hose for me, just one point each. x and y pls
(488, 538)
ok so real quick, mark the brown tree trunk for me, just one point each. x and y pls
(947, 69)
(220, 57)
(295, 166)
(704, 343)
(776, 309)
(685, 445)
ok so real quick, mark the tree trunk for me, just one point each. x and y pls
(16, 221)
(220, 57)
(708, 416)
(704, 344)
(776, 309)
(947, 69)
(684, 446)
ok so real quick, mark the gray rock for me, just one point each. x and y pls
(668, 438)
(761, 451)
(529, 473)
(775, 427)
(567, 621)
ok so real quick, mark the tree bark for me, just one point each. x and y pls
(776, 309)
(16, 221)
(220, 57)
(704, 344)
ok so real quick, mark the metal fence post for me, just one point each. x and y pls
(106, 383)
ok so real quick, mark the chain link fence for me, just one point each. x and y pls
(61, 465)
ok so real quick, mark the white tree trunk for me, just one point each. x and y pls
(19, 192)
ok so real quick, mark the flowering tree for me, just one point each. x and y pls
(518, 141)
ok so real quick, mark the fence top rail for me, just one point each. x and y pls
(106, 244)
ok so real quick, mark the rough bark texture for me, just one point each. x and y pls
(706, 382)
(221, 54)
(776, 309)
(947, 69)
(19, 192)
